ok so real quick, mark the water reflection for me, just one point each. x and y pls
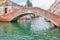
(25, 29)
(12, 28)
(40, 23)
(19, 31)
(27, 25)
(37, 24)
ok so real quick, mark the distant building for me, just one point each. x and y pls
(28, 3)
(8, 7)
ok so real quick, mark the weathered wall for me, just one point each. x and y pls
(56, 9)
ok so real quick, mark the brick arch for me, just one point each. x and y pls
(54, 18)
(29, 12)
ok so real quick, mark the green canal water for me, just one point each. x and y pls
(18, 31)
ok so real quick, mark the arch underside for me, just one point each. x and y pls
(19, 16)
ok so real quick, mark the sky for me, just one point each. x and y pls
(19, 1)
(44, 4)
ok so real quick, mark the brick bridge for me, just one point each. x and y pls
(11, 16)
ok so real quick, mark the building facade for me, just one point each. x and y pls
(8, 7)
(55, 7)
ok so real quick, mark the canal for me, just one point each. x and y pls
(35, 29)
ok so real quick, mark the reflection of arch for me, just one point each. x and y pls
(54, 18)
